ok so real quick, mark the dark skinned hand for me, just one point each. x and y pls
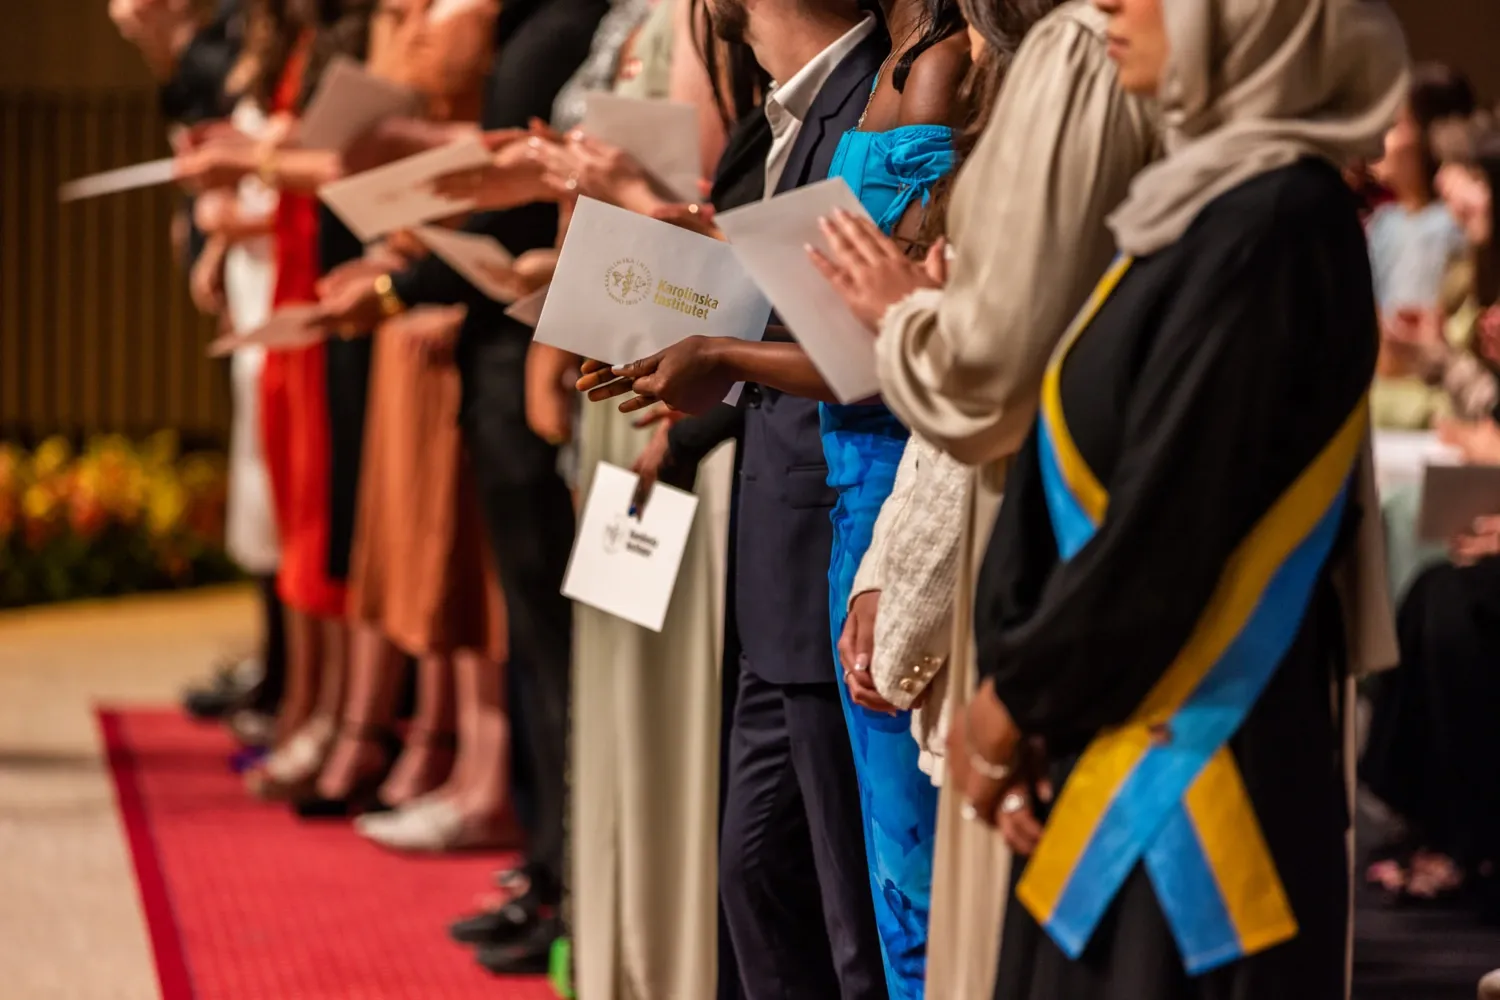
(686, 376)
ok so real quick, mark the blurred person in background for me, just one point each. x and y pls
(228, 251)
(288, 45)
(420, 586)
(1430, 756)
(526, 505)
(1414, 241)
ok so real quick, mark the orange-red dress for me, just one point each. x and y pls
(420, 571)
(294, 405)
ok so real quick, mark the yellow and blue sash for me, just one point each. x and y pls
(1163, 788)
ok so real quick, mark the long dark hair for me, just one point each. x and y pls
(739, 82)
(1438, 93)
(942, 19)
(1003, 24)
(340, 27)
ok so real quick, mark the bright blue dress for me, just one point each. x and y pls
(863, 445)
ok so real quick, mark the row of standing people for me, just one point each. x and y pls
(1226, 361)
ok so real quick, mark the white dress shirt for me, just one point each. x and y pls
(788, 103)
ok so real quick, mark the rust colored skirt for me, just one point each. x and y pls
(420, 570)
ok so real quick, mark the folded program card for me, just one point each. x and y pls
(349, 102)
(627, 286)
(661, 135)
(141, 175)
(399, 195)
(627, 565)
(482, 261)
(771, 238)
(289, 327)
(528, 310)
(1453, 496)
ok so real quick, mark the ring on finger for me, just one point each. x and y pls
(968, 812)
(572, 182)
(848, 677)
(1013, 803)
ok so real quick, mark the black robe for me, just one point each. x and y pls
(1213, 375)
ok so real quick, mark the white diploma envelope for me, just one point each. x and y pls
(141, 175)
(288, 328)
(399, 195)
(627, 566)
(771, 238)
(528, 310)
(349, 102)
(1453, 496)
(628, 286)
(661, 135)
(482, 261)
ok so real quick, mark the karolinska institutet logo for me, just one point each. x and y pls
(618, 534)
(627, 281)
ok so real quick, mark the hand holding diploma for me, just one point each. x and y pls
(689, 376)
(513, 178)
(868, 269)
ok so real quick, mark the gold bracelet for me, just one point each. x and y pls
(390, 303)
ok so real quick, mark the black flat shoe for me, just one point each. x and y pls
(231, 687)
(529, 955)
(356, 803)
(364, 796)
(503, 925)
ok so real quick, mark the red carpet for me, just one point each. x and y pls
(244, 902)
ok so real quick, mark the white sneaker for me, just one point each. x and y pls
(433, 827)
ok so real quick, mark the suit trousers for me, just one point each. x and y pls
(793, 876)
(528, 513)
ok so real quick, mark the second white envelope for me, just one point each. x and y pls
(627, 286)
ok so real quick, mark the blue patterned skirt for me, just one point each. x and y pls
(863, 446)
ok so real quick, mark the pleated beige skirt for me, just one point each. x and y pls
(645, 762)
(971, 867)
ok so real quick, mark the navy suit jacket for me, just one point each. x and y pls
(783, 534)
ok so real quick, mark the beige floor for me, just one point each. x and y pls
(70, 924)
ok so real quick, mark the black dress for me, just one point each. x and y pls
(347, 370)
(1430, 754)
(1218, 371)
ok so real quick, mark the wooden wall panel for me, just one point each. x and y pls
(96, 329)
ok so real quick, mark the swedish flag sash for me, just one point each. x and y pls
(1163, 788)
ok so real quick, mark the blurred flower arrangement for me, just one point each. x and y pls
(115, 518)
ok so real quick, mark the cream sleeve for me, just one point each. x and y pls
(962, 367)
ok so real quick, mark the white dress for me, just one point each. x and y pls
(249, 280)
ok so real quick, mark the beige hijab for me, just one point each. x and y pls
(1252, 85)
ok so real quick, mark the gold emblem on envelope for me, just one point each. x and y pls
(627, 281)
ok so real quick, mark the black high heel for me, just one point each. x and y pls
(364, 795)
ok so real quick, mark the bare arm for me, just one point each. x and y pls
(780, 365)
(302, 170)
